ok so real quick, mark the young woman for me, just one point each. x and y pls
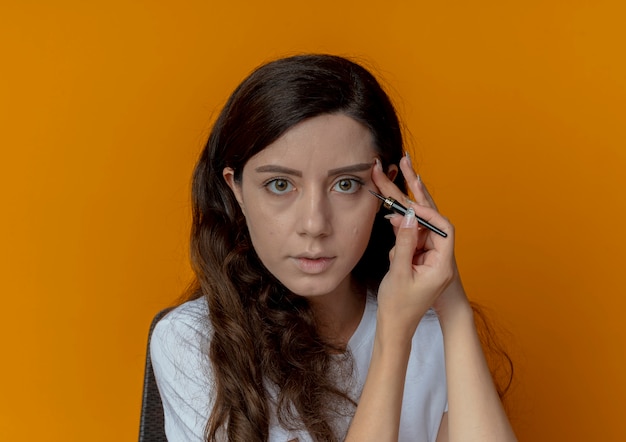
(316, 315)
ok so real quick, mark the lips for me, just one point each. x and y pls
(313, 265)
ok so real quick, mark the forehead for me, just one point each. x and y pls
(322, 141)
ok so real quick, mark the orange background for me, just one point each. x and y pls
(517, 112)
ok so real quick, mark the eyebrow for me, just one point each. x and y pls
(288, 171)
(351, 169)
(278, 169)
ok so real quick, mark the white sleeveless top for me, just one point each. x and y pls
(179, 352)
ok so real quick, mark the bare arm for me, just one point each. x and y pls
(423, 274)
(378, 415)
(405, 294)
(475, 412)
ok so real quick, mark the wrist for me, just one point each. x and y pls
(395, 332)
(459, 318)
(453, 304)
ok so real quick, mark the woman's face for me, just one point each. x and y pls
(306, 202)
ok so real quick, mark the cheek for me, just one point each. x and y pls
(359, 232)
(266, 229)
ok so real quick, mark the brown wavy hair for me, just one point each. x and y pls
(265, 350)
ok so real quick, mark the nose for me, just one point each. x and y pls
(314, 217)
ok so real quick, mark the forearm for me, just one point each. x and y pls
(475, 412)
(377, 417)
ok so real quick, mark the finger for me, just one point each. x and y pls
(388, 188)
(396, 221)
(429, 198)
(432, 239)
(384, 185)
(416, 186)
(404, 250)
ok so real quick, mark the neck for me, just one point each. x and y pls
(338, 315)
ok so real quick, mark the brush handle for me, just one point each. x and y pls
(394, 206)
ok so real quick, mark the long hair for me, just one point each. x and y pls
(265, 351)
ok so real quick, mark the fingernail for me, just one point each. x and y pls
(377, 164)
(409, 218)
(390, 216)
(408, 157)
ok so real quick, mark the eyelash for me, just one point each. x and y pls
(269, 183)
(356, 182)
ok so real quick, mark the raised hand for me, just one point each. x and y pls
(425, 274)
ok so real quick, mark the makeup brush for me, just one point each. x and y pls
(394, 206)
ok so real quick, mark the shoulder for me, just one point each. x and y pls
(191, 314)
(179, 352)
(185, 329)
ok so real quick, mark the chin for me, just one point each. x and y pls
(314, 287)
(309, 292)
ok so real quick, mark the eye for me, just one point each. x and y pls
(279, 186)
(347, 185)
